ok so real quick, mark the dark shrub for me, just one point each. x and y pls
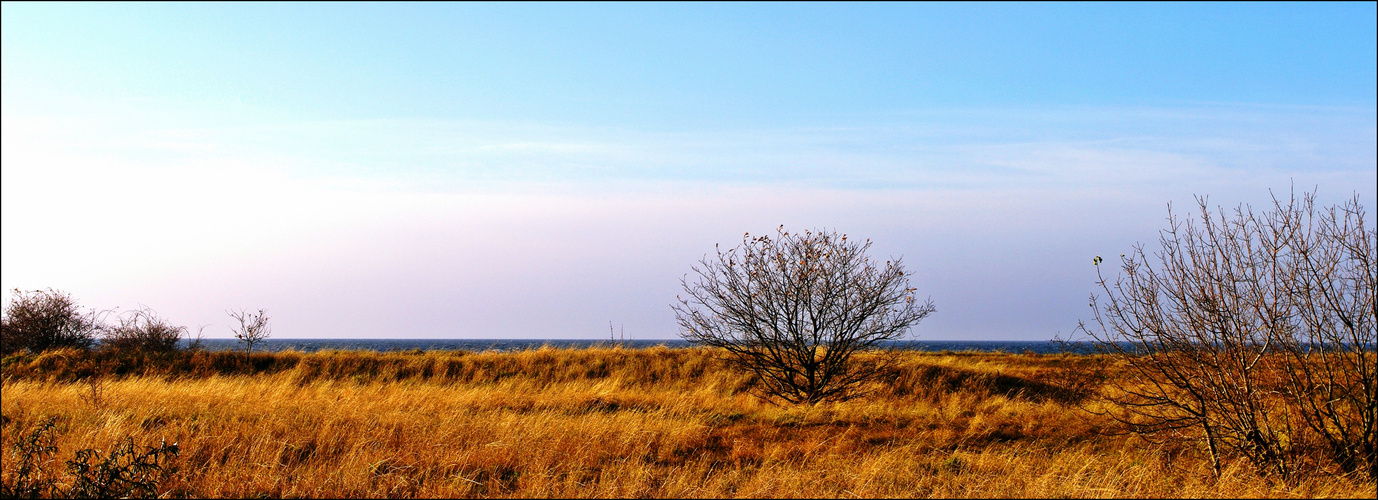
(39, 320)
(142, 330)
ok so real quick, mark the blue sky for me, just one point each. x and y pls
(538, 170)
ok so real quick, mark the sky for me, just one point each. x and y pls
(540, 171)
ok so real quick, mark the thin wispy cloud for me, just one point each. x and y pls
(455, 180)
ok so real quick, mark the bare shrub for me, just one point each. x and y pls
(1254, 332)
(125, 472)
(1330, 347)
(253, 327)
(142, 330)
(39, 320)
(795, 309)
(31, 453)
(197, 343)
(94, 372)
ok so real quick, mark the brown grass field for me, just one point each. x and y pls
(607, 422)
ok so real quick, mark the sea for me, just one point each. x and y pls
(477, 345)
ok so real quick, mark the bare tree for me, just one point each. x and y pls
(793, 310)
(39, 320)
(1254, 332)
(253, 327)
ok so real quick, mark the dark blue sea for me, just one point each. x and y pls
(310, 345)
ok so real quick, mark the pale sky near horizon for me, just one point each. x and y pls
(443, 170)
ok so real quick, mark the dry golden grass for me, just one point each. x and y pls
(607, 422)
